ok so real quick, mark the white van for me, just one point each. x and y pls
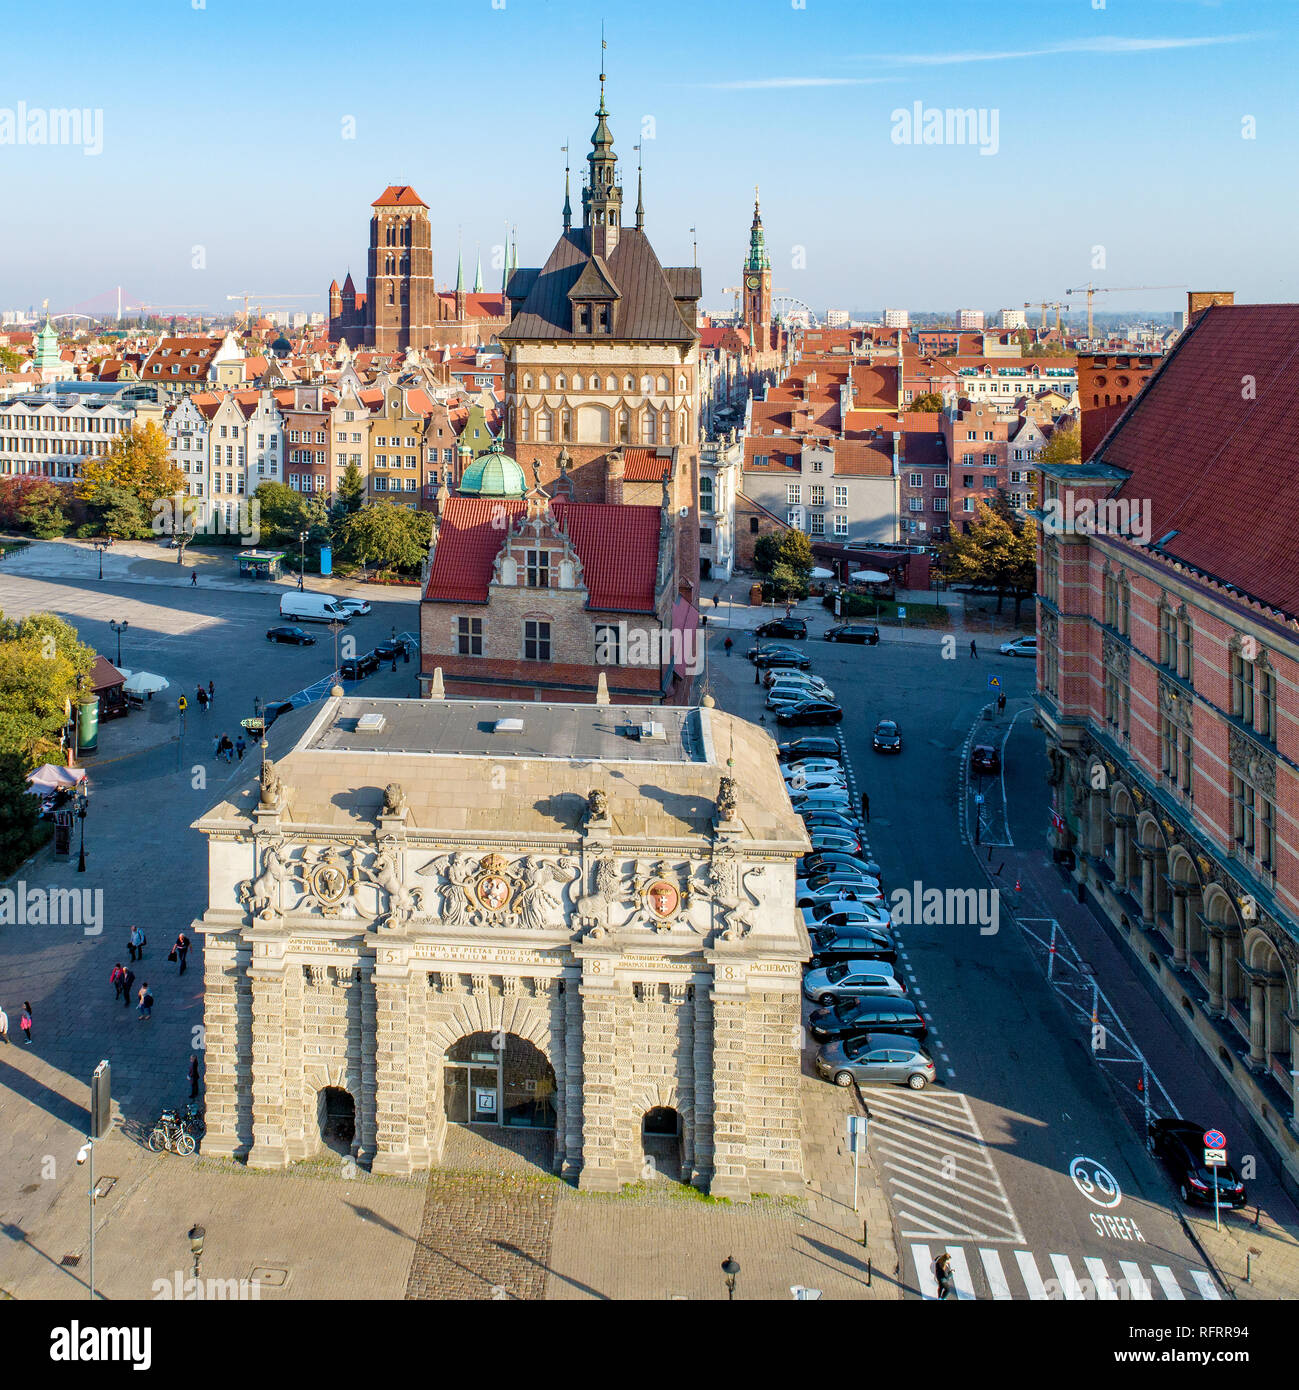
(307, 607)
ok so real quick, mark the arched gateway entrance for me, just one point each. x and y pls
(498, 1079)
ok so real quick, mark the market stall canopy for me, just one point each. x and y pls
(820, 573)
(868, 577)
(51, 777)
(104, 675)
(145, 683)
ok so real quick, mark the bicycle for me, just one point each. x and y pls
(193, 1117)
(171, 1132)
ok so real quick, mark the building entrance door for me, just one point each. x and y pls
(472, 1093)
(484, 1086)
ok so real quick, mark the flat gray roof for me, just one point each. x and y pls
(466, 728)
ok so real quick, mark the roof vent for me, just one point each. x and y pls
(508, 726)
(371, 724)
(650, 731)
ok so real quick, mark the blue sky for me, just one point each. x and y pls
(223, 128)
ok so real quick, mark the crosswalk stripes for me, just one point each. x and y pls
(1061, 1281)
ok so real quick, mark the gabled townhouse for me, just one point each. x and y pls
(178, 366)
(349, 434)
(398, 466)
(186, 429)
(308, 438)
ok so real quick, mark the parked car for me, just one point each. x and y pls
(843, 1018)
(827, 948)
(876, 1057)
(807, 766)
(359, 606)
(814, 782)
(827, 861)
(272, 712)
(355, 667)
(783, 627)
(789, 675)
(834, 841)
(308, 607)
(1179, 1145)
(884, 1013)
(294, 636)
(866, 891)
(831, 820)
(839, 913)
(854, 632)
(823, 799)
(848, 979)
(810, 712)
(814, 745)
(784, 695)
(985, 758)
(397, 646)
(887, 737)
(779, 656)
(1021, 646)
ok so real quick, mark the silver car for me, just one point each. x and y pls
(876, 1057)
(849, 979)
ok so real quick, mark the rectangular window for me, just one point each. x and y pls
(608, 645)
(916, 504)
(536, 640)
(761, 460)
(1242, 688)
(793, 494)
(538, 569)
(817, 498)
(990, 480)
(469, 636)
(818, 524)
(940, 504)
(940, 479)
(990, 460)
(915, 480)
(841, 494)
(818, 466)
(840, 524)
(967, 504)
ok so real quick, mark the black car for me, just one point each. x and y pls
(832, 820)
(854, 632)
(766, 657)
(985, 758)
(272, 712)
(296, 636)
(355, 667)
(887, 737)
(810, 712)
(395, 647)
(1179, 1145)
(871, 1013)
(811, 747)
(783, 627)
(827, 861)
(829, 948)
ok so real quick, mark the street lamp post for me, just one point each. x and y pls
(81, 816)
(102, 546)
(196, 1234)
(730, 1268)
(119, 629)
(302, 559)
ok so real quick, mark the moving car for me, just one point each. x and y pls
(876, 1057)
(814, 745)
(359, 606)
(779, 656)
(985, 758)
(1021, 646)
(885, 1013)
(307, 607)
(810, 712)
(887, 737)
(854, 632)
(783, 627)
(1179, 1145)
(848, 979)
(354, 667)
(827, 948)
(295, 636)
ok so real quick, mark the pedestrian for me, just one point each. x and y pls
(216, 745)
(202, 699)
(394, 660)
(117, 976)
(192, 1073)
(4, 1027)
(943, 1275)
(193, 579)
(865, 808)
(128, 979)
(1001, 702)
(225, 749)
(180, 950)
(139, 940)
(728, 644)
(974, 651)
(25, 1022)
(211, 693)
(716, 600)
(241, 747)
(146, 1001)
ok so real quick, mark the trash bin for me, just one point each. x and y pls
(755, 595)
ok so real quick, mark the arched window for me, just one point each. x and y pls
(560, 382)
(545, 382)
(543, 426)
(664, 386)
(525, 423)
(683, 429)
(527, 382)
(681, 384)
(650, 428)
(624, 427)
(630, 383)
(577, 382)
(665, 436)
(595, 384)
(566, 425)
(646, 385)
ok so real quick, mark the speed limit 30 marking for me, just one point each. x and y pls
(1095, 1182)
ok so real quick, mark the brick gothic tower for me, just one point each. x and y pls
(757, 281)
(602, 196)
(400, 304)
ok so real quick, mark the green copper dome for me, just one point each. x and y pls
(493, 474)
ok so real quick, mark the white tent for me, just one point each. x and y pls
(145, 683)
(820, 573)
(857, 577)
(50, 777)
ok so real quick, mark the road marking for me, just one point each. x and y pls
(964, 1285)
(1066, 1278)
(996, 1276)
(1208, 1289)
(1169, 1285)
(1105, 1290)
(1138, 1284)
(925, 1280)
(1028, 1271)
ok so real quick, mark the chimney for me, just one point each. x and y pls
(1197, 301)
(613, 478)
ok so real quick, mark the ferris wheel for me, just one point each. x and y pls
(793, 312)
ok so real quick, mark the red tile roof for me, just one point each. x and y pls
(645, 465)
(863, 458)
(399, 195)
(618, 547)
(1198, 450)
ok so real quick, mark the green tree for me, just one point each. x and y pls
(1064, 446)
(21, 829)
(137, 461)
(10, 361)
(42, 662)
(386, 536)
(999, 551)
(929, 402)
(121, 513)
(351, 490)
(285, 513)
(796, 552)
(787, 582)
(43, 510)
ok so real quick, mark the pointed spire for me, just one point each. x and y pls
(460, 270)
(568, 206)
(640, 199)
(758, 257)
(505, 262)
(478, 273)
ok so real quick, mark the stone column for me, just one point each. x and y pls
(1095, 822)
(603, 1165)
(1216, 1004)
(701, 1167)
(1230, 954)
(568, 1142)
(225, 1043)
(1258, 1021)
(730, 1069)
(1293, 1024)
(391, 1064)
(1147, 886)
(365, 1101)
(1179, 926)
(267, 976)
(683, 1015)
(1121, 831)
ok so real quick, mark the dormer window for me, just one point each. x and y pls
(583, 318)
(538, 569)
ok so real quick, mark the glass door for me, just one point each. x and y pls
(455, 1093)
(485, 1095)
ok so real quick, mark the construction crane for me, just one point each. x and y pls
(246, 295)
(1044, 305)
(1091, 290)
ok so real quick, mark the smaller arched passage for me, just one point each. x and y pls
(336, 1118)
(661, 1142)
(498, 1079)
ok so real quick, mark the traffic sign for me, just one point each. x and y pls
(994, 682)
(1215, 1158)
(978, 798)
(902, 613)
(856, 1132)
(1215, 1139)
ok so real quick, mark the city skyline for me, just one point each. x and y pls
(795, 100)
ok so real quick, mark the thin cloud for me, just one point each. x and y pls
(770, 83)
(1109, 44)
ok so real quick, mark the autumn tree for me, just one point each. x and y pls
(1064, 446)
(999, 551)
(135, 465)
(928, 403)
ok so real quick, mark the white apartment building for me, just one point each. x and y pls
(47, 434)
(836, 318)
(1003, 386)
(970, 320)
(265, 442)
(186, 431)
(897, 318)
(1014, 318)
(721, 471)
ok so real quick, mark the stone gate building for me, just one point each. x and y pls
(571, 918)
